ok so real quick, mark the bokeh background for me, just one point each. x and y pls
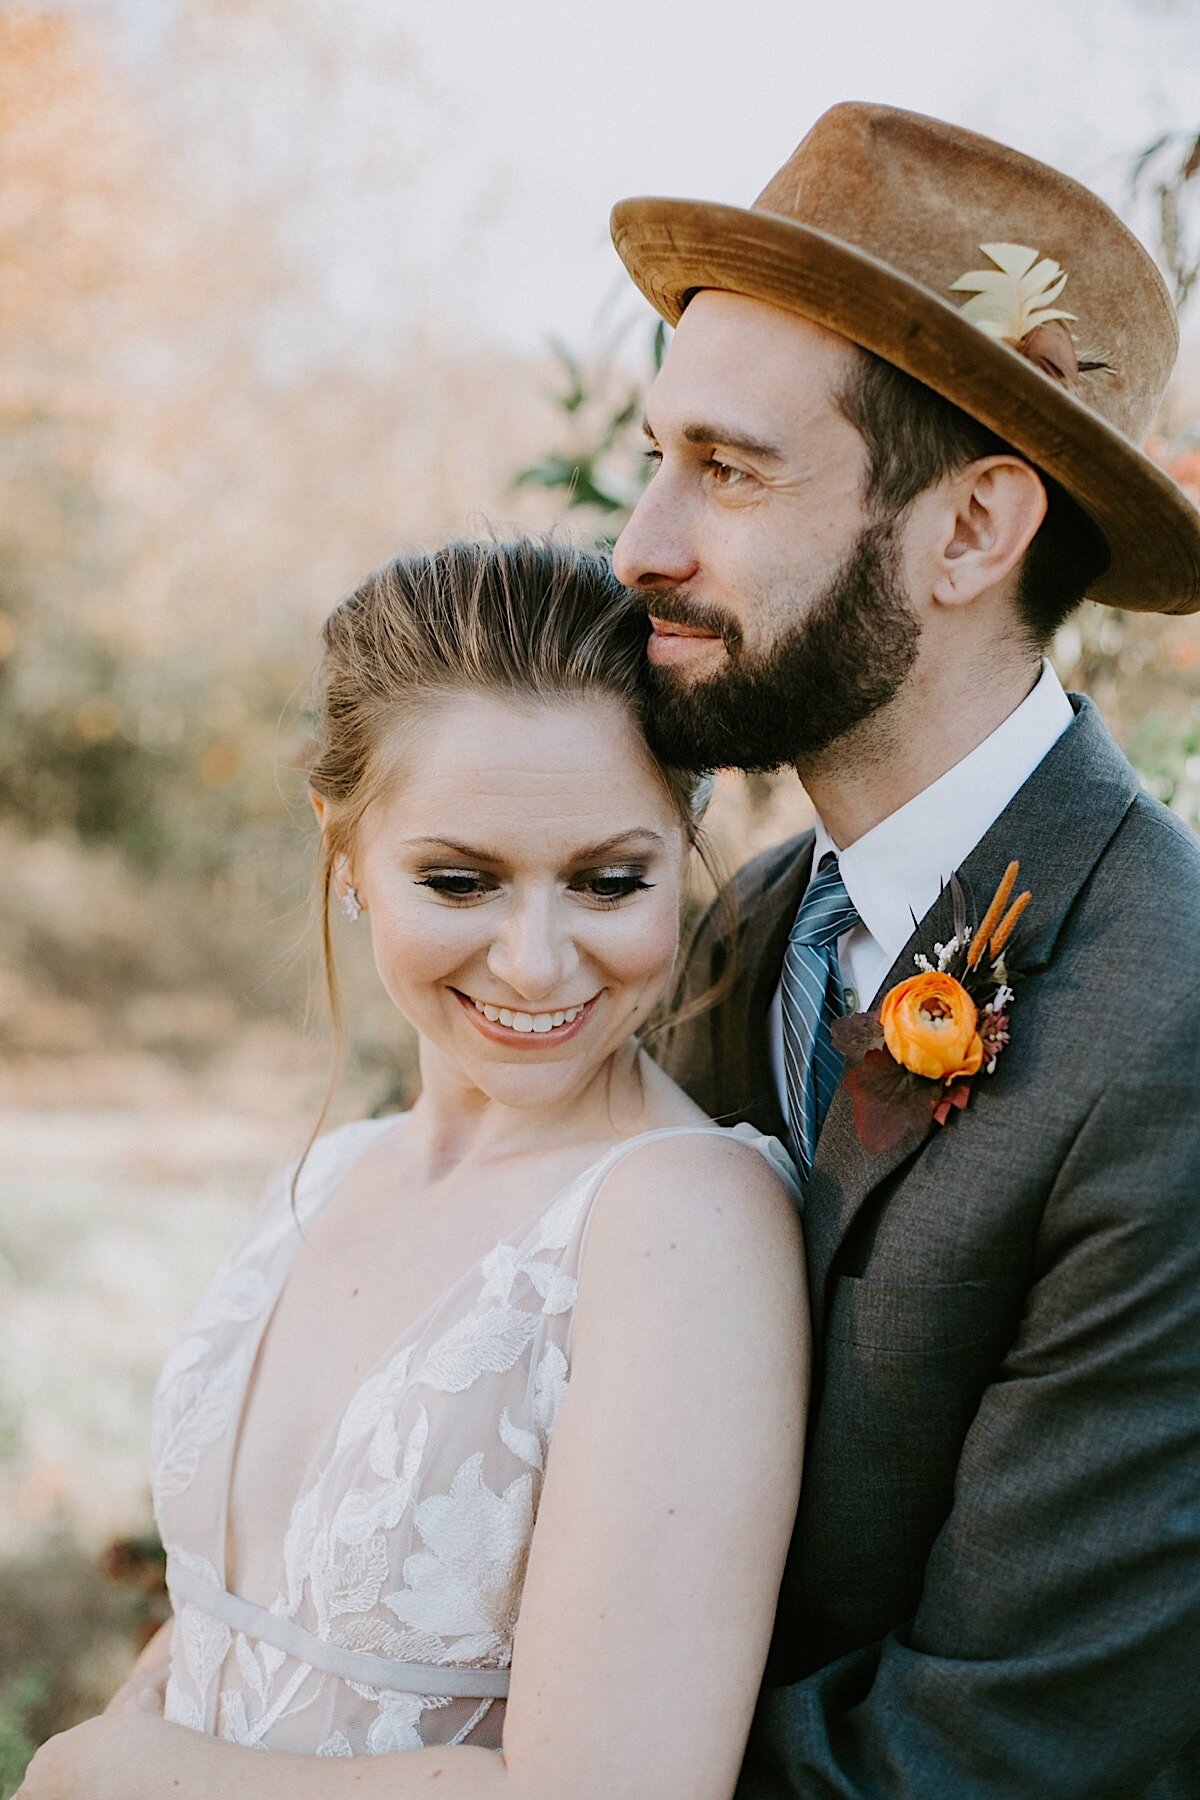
(284, 288)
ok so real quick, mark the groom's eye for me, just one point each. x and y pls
(724, 474)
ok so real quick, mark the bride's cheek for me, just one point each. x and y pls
(644, 954)
(417, 949)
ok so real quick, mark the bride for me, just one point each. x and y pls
(479, 1457)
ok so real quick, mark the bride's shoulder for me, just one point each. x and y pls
(694, 1162)
(705, 1197)
(694, 1247)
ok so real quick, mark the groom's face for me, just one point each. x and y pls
(778, 601)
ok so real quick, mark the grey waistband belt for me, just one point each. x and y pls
(453, 1682)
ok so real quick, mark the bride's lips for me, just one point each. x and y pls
(526, 1040)
(670, 642)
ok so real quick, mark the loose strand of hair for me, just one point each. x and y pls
(333, 1000)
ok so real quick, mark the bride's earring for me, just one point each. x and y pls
(351, 905)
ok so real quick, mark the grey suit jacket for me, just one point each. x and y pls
(994, 1584)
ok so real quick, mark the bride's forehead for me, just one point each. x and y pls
(485, 738)
(574, 769)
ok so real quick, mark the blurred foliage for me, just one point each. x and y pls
(1167, 172)
(192, 471)
(19, 1699)
(169, 759)
(602, 467)
(65, 1636)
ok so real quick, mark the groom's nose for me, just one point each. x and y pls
(654, 550)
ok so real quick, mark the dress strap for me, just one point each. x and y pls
(454, 1682)
(769, 1148)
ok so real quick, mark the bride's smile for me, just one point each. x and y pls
(528, 1030)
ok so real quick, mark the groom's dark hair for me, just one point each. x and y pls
(914, 437)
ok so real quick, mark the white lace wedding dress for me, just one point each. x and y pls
(401, 1571)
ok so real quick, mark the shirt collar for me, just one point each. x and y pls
(895, 871)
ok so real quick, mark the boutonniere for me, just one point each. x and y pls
(912, 1063)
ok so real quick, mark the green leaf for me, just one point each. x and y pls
(551, 472)
(658, 349)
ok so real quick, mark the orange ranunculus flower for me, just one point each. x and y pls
(928, 1025)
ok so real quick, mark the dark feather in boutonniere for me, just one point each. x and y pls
(912, 1063)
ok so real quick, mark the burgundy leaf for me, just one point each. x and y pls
(855, 1035)
(954, 1099)
(889, 1103)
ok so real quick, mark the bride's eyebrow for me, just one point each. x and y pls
(475, 853)
(622, 840)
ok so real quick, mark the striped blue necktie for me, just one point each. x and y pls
(812, 997)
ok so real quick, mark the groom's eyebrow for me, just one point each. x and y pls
(728, 436)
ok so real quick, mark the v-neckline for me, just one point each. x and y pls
(318, 1462)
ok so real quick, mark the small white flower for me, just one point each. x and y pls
(945, 954)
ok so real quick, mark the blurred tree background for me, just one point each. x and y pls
(193, 469)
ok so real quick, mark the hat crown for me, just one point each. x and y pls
(923, 197)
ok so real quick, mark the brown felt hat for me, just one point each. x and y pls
(869, 229)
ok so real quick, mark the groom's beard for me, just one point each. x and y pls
(833, 669)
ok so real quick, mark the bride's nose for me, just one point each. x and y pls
(534, 952)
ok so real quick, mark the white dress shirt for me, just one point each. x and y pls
(895, 872)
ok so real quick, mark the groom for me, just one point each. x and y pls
(896, 443)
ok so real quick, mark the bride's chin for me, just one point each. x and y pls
(501, 1073)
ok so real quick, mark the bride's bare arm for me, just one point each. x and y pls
(660, 1538)
(143, 1686)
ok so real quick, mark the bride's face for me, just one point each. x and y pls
(522, 880)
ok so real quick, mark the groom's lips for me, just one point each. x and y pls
(671, 642)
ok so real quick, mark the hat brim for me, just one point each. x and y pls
(671, 247)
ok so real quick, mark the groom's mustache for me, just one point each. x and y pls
(673, 607)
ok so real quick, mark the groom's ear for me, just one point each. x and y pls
(988, 516)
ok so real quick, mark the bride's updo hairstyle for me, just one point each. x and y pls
(529, 620)
(526, 620)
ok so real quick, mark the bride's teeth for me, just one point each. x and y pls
(526, 1022)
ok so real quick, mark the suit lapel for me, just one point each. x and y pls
(1057, 825)
(746, 1037)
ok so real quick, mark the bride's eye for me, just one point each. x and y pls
(608, 887)
(457, 884)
